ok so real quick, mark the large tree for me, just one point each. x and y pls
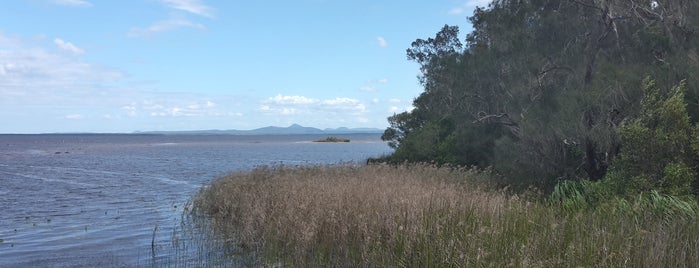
(539, 87)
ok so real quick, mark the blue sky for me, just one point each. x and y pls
(143, 65)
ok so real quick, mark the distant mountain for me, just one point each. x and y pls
(293, 129)
(273, 130)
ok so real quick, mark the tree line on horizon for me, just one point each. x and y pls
(545, 91)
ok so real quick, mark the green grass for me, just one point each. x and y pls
(425, 216)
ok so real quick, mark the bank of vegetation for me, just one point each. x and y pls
(427, 216)
(545, 91)
(577, 120)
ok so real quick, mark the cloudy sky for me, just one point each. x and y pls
(142, 65)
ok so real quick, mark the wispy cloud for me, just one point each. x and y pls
(176, 21)
(294, 100)
(381, 41)
(300, 105)
(39, 81)
(9, 41)
(369, 89)
(39, 68)
(74, 3)
(192, 6)
(73, 116)
(33, 74)
(469, 5)
(373, 85)
(164, 26)
(68, 46)
(172, 106)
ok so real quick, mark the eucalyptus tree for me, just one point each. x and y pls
(539, 89)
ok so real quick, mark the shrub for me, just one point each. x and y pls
(656, 151)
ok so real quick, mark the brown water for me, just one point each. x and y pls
(95, 200)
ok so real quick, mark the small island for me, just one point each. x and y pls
(333, 139)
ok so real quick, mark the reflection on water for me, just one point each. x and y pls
(95, 200)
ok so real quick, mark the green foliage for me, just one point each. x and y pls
(539, 89)
(657, 153)
(579, 195)
(677, 179)
(401, 125)
(574, 197)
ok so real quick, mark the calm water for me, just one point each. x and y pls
(94, 200)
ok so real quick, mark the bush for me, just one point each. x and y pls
(657, 147)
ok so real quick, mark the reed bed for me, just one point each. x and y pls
(425, 216)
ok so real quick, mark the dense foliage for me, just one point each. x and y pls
(550, 90)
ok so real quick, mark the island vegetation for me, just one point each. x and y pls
(577, 120)
(333, 139)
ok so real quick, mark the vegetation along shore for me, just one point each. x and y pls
(427, 216)
(578, 120)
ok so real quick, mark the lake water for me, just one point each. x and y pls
(95, 200)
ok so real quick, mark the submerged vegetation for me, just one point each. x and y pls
(426, 216)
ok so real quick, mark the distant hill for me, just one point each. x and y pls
(293, 129)
(273, 130)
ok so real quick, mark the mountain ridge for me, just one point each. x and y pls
(275, 130)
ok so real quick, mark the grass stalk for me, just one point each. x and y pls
(426, 216)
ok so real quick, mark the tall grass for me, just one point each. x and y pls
(425, 216)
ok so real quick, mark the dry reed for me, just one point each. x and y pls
(424, 216)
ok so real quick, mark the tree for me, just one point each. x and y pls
(539, 89)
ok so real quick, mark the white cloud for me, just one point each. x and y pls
(382, 41)
(68, 46)
(280, 99)
(41, 83)
(457, 10)
(73, 116)
(9, 41)
(340, 101)
(372, 85)
(368, 89)
(396, 109)
(174, 107)
(378, 81)
(164, 26)
(31, 70)
(74, 3)
(300, 105)
(192, 6)
(469, 5)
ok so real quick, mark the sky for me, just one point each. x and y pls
(156, 65)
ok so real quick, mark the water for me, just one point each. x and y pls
(94, 200)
